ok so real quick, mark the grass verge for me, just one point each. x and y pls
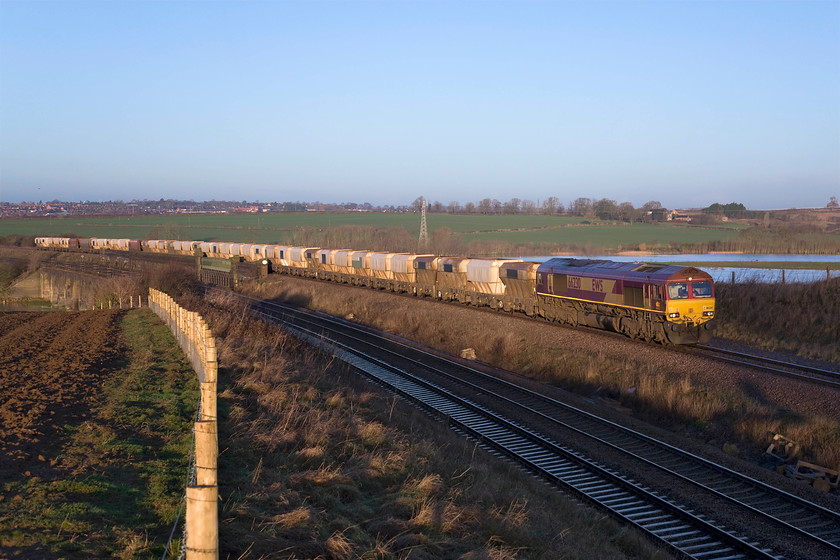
(800, 318)
(317, 463)
(115, 485)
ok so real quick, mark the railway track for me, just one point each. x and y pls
(801, 372)
(533, 424)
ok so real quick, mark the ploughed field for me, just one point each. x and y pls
(50, 365)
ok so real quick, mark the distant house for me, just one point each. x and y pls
(678, 216)
(659, 215)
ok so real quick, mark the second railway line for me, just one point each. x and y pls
(812, 532)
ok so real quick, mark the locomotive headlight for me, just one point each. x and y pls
(673, 315)
(265, 261)
(708, 314)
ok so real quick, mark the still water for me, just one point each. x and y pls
(741, 274)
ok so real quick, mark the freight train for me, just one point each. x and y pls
(663, 303)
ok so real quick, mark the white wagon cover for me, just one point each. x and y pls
(297, 254)
(380, 261)
(484, 274)
(281, 252)
(400, 263)
(342, 257)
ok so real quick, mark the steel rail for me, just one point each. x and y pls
(664, 520)
(672, 463)
(830, 378)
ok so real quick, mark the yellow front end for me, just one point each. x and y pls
(690, 312)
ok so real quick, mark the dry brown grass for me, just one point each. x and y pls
(801, 318)
(653, 392)
(315, 464)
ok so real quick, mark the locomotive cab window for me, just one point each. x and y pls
(678, 290)
(701, 289)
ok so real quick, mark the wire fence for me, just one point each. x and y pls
(201, 527)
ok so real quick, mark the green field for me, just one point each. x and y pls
(609, 235)
(279, 228)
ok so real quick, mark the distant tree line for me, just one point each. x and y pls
(600, 209)
(731, 210)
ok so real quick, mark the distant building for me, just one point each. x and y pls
(679, 216)
(659, 215)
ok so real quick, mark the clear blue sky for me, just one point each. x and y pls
(684, 102)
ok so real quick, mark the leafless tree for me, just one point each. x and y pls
(550, 205)
(513, 206)
(606, 209)
(581, 207)
(627, 212)
(417, 205)
(528, 207)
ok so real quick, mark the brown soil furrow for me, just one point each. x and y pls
(50, 365)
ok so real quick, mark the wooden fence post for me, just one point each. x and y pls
(202, 522)
(206, 453)
(208, 401)
(199, 346)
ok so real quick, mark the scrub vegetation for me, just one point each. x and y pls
(799, 318)
(688, 403)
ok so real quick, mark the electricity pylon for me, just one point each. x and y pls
(424, 234)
